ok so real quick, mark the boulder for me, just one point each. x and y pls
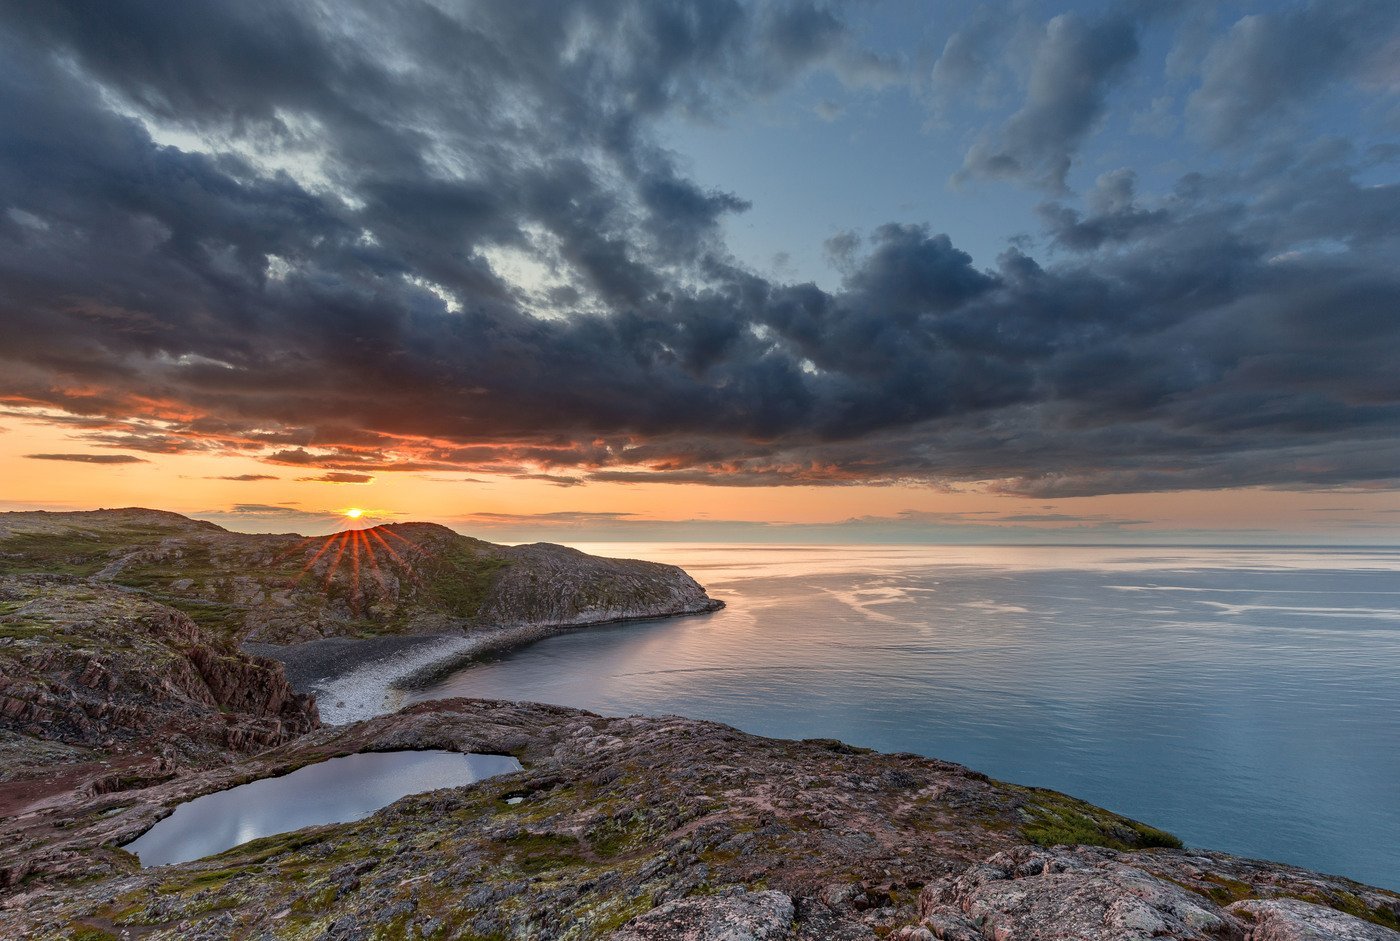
(1294, 920)
(743, 916)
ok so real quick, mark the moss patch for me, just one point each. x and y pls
(1055, 818)
(461, 577)
(85, 932)
(1355, 906)
(536, 853)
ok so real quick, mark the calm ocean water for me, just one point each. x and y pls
(1245, 699)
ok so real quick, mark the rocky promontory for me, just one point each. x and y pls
(664, 828)
(351, 614)
(394, 579)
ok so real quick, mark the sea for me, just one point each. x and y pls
(1246, 699)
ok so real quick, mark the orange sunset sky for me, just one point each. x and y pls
(508, 508)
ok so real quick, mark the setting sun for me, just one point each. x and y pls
(354, 513)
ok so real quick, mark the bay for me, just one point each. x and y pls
(1246, 699)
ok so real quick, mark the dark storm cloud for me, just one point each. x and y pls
(558, 480)
(89, 458)
(339, 477)
(1114, 215)
(395, 238)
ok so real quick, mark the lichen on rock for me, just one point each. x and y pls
(633, 828)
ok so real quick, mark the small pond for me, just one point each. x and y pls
(334, 791)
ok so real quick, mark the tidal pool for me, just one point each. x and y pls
(334, 791)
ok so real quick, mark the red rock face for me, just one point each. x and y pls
(89, 665)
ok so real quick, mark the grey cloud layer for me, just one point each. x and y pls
(337, 282)
(1074, 64)
(1270, 63)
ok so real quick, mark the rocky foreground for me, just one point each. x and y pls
(126, 689)
(652, 828)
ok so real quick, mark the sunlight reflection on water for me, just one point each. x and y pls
(334, 791)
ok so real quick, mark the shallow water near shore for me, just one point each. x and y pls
(334, 791)
(1246, 699)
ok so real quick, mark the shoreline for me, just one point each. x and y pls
(354, 679)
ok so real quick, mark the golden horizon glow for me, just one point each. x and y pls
(243, 493)
(354, 513)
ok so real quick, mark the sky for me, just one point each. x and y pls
(885, 271)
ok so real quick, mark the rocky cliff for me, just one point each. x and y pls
(665, 828)
(88, 666)
(402, 578)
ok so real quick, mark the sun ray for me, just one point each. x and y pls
(372, 557)
(390, 549)
(354, 571)
(408, 542)
(341, 541)
(315, 558)
(296, 547)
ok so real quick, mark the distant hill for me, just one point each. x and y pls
(399, 578)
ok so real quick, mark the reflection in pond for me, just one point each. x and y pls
(334, 791)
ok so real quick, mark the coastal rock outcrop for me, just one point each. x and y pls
(103, 691)
(1059, 895)
(549, 584)
(400, 578)
(89, 665)
(739, 916)
(635, 828)
(1295, 920)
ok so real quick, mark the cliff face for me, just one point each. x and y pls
(668, 828)
(548, 584)
(91, 666)
(394, 579)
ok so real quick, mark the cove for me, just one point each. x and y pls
(338, 790)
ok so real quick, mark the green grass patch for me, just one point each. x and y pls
(1226, 891)
(1056, 819)
(24, 629)
(460, 578)
(1355, 906)
(74, 552)
(315, 902)
(536, 853)
(617, 837)
(203, 879)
